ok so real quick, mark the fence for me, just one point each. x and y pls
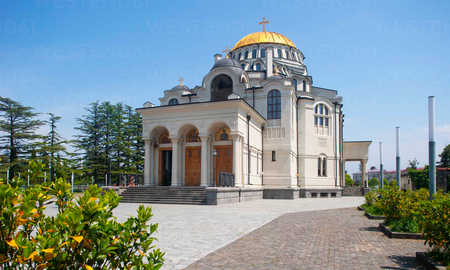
(226, 179)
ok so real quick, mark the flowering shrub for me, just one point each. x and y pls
(84, 234)
(436, 226)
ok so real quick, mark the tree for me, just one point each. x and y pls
(419, 178)
(110, 141)
(89, 141)
(413, 164)
(18, 124)
(348, 180)
(445, 157)
(53, 146)
(373, 182)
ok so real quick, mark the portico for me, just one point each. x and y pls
(191, 144)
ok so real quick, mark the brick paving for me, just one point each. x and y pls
(329, 239)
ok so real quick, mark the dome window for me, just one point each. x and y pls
(258, 67)
(263, 53)
(279, 53)
(254, 53)
(246, 55)
(173, 101)
(221, 88)
(294, 82)
(239, 56)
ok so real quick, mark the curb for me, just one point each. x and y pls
(399, 235)
(427, 262)
(374, 217)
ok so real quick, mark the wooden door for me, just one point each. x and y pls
(192, 165)
(224, 160)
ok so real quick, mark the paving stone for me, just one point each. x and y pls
(330, 239)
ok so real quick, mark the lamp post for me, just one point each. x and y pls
(72, 182)
(381, 165)
(431, 147)
(214, 153)
(397, 158)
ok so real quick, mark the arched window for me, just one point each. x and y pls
(246, 55)
(294, 82)
(221, 88)
(254, 53)
(173, 101)
(322, 166)
(304, 86)
(239, 56)
(321, 117)
(192, 136)
(279, 53)
(274, 105)
(258, 67)
(263, 53)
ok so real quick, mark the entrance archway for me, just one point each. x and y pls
(222, 151)
(192, 157)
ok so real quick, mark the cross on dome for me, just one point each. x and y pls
(264, 22)
(226, 51)
(181, 81)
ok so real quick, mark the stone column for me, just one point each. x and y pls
(147, 161)
(175, 178)
(204, 166)
(236, 160)
(363, 173)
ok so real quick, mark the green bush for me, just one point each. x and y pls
(84, 234)
(371, 197)
(435, 221)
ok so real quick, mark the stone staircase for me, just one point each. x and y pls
(164, 195)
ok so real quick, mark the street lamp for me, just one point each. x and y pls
(214, 153)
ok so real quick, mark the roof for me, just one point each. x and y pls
(263, 37)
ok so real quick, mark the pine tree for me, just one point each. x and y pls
(111, 141)
(53, 145)
(89, 141)
(18, 124)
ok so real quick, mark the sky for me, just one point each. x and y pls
(384, 57)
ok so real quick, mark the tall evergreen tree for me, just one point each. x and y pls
(89, 141)
(111, 141)
(53, 145)
(18, 125)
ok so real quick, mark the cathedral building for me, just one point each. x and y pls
(256, 123)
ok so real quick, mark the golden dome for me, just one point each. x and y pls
(263, 37)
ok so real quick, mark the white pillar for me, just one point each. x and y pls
(237, 160)
(364, 182)
(147, 161)
(175, 176)
(204, 165)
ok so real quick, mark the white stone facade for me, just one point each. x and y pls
(299, 147)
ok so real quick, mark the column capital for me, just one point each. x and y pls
(146, 139)
(174, 139)
(204, 137)
(235, 136)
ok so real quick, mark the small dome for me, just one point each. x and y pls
(226, 62)
(263, 37)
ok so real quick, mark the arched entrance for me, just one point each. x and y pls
(222, 151)
(164, 158)
(192, 156)
(221, 88)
